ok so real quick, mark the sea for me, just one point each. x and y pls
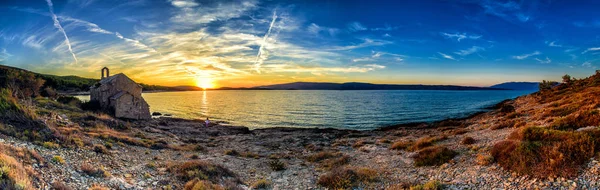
(358, 110)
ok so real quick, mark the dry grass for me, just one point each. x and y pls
(542, 152)
(484, 160)
(100, 149)
(361, 143)
(261, 184)
(57, 185)
(201, 170)
(401, 145)
(347, 177)
(329, 160)
(98, 187)
(12, 174)
(58, 160)
(425, 142)
(503, 124)
(197, 184)
(277, 165)
(93, 171)
(431, 185)
(436, 155)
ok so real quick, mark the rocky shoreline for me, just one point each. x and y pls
(146, 154)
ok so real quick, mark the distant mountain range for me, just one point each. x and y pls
(517, 85)
(366, 86)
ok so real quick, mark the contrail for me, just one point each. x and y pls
(259, 60)
(60, 28)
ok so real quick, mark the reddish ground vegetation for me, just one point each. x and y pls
(542, 152)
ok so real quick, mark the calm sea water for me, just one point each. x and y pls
(359, 110)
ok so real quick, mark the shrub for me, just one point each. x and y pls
(431, 185)
(360, 143)
(57, 185)
(93, 171)
(347, 178)
(197, 184)
(97, 187)
(484, 160)
(58, 160)
(322, 156)
(232, 152)
(100, 149)
(69, 100)
(432, 156)
(276, 165)
(542, 152)
(503, 124)
(12, 174)
(49, 92)
(261, 184)
(202, 170)
(250, 155)
(468, 140)
(401, 145)
(507, 108)
(329, 160)
(50, 145)
(424, 142)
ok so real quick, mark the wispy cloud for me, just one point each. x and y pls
(34, 42)
(586, 64)
(366, 43)
(525, 56)
(192, 14)
(460, 36)
(356, 26)
(591, 49)
(184, 3)
(4, 55)
(469, 51)
(545, 61)
(260, 56)
(446, 56)
(316, 29)
(553, 44)
(508, 10)
(387, 27)
(60, 28)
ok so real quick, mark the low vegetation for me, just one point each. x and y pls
(261, 184)
(277, 165)
(202, 170)
(543, 152)
(431, 185)
(432, 156)
(347, 177)
(329, 160)
(468, 140)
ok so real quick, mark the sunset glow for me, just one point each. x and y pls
(205, 83)
(247, 43)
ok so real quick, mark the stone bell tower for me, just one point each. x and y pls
(107, 74)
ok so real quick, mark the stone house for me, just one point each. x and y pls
(121, 96)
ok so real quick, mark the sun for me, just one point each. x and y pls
(205, 83)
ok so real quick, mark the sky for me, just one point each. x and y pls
(252, 42)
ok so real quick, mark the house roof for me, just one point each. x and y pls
(110, 79)
(118, 95)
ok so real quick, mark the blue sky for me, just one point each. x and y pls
(252, 42)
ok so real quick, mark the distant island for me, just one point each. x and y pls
(518, 86)
(367, 86)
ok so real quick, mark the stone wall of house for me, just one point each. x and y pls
(130, 105)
